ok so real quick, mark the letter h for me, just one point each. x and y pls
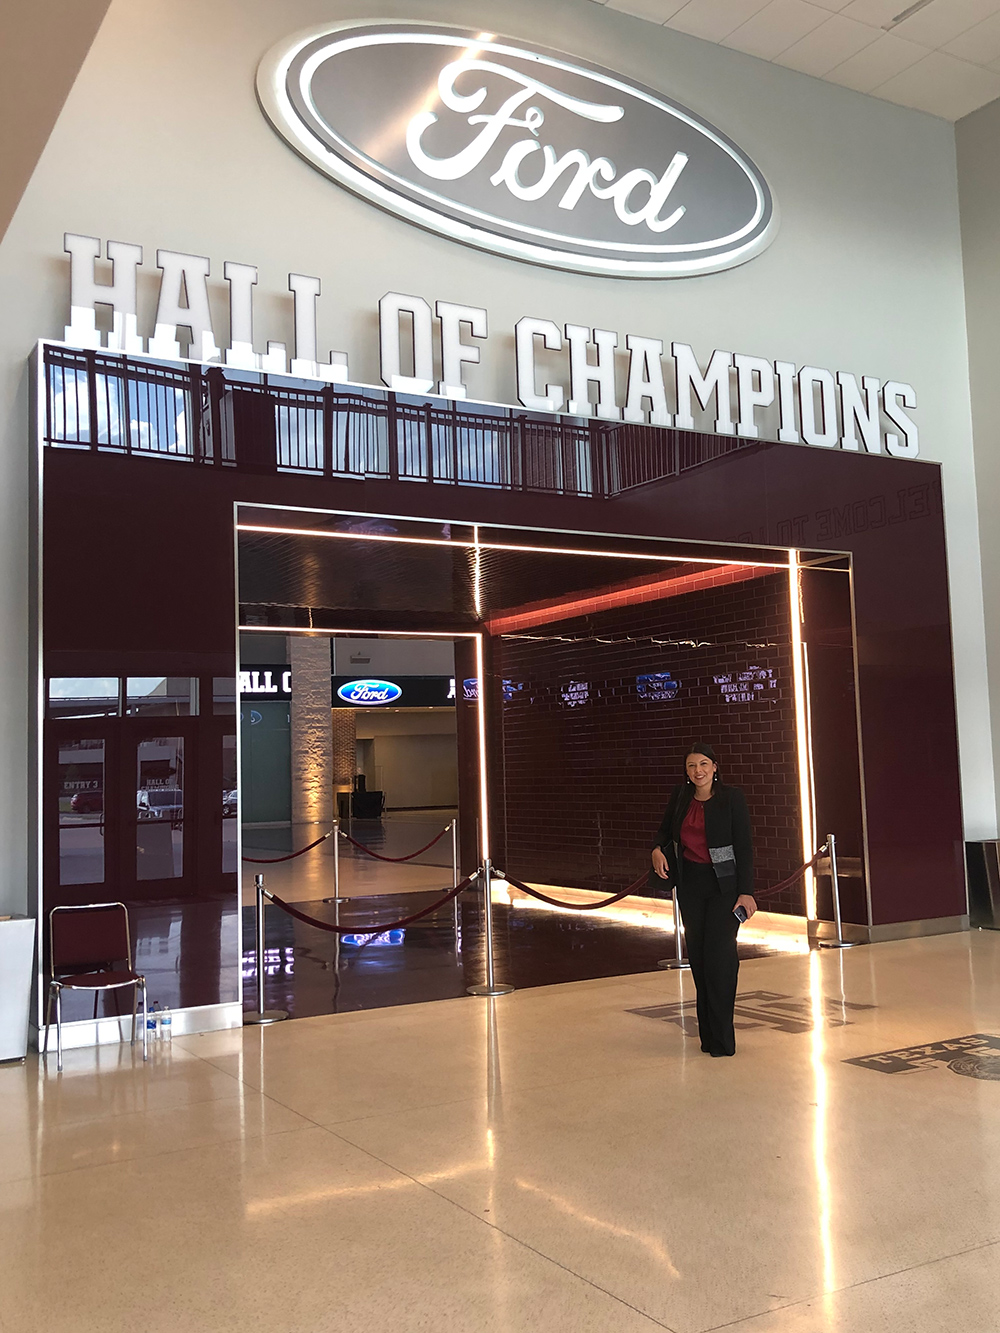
(86, 293)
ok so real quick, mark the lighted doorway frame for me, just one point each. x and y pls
(800, 672)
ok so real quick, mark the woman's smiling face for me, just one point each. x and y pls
(701, 770)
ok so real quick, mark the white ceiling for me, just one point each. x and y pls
(943, 57)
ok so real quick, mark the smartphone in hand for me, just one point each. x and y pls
(740, 913)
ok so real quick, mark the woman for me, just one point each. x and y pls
(704, 845)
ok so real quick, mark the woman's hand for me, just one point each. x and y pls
(660, 863)
(746, 901)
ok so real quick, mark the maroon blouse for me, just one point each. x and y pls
(694, 844)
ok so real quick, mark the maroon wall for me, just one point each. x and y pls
(108, 585)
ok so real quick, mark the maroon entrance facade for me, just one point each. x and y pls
(149, 469)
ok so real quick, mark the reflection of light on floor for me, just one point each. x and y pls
(651, 1243)
(384, 937)
(824, 1200)
(783, 935)
(277, 962)
(303, 1198)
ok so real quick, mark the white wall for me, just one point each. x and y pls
(978, 140)
(401, 657)
(414, 753)
(161, 142)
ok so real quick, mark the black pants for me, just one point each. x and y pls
(710, 931)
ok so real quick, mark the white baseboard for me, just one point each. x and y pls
(104, 1031)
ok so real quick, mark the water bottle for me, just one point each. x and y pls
(166, 1030)
(152, 1031)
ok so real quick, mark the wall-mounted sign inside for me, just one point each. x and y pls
(403, 692)
(657, 687)
(266, 682)
(575, 693)
(517, 149)
(756, 685)
(367, 693)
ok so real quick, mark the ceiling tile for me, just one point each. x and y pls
(774, 28)
(714, 19)
(942, 20)
(828, 45)
(876, 12)
(832, 5)
(656, 11)
(980, 44)
(876, 63)
(942, 85)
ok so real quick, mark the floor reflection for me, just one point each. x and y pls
(534, 947)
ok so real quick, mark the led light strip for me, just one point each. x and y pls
(802, 738)
(477, 544)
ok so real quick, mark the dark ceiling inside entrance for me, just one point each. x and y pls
(375, 573)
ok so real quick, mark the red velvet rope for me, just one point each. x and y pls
(276, 860)
(372, 929)
(617, 897)
(578, 907)
(378, 855)
(797, 874)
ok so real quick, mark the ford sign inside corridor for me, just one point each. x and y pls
(366, 693)
(517, 149)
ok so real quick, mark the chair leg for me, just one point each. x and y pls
(59, 1029)
(145, 1020)
(135, 1010)
(48, 1016)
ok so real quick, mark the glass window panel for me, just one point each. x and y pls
(161, 696)
(224, 696)
(81, 812)
(83, 696)
(230, 807)
(159, 801)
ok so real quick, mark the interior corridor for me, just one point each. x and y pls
(562, 1159)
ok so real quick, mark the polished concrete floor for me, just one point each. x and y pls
(561, 1160)
(311, 877)
(307, 973)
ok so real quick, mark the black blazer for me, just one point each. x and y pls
(727, 832)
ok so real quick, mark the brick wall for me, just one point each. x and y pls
(587, 764)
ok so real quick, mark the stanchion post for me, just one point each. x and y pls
(336, 865)
(336, 860)
(262, 1016)
(678, 963)
(839, 942)
(457, 911)
(491, 985)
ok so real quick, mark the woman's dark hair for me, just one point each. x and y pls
(707, 751)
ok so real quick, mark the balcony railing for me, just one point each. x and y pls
(226, 418)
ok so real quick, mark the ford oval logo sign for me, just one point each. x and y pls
(366, 693)
(518, 149)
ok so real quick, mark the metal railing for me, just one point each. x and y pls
(227, 418)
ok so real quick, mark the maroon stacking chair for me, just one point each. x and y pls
(90, 949)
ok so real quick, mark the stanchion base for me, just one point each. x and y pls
(498, 988)
(268, 1016)
(839, 944)
(674, 964)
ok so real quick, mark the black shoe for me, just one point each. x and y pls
(718, 1054)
